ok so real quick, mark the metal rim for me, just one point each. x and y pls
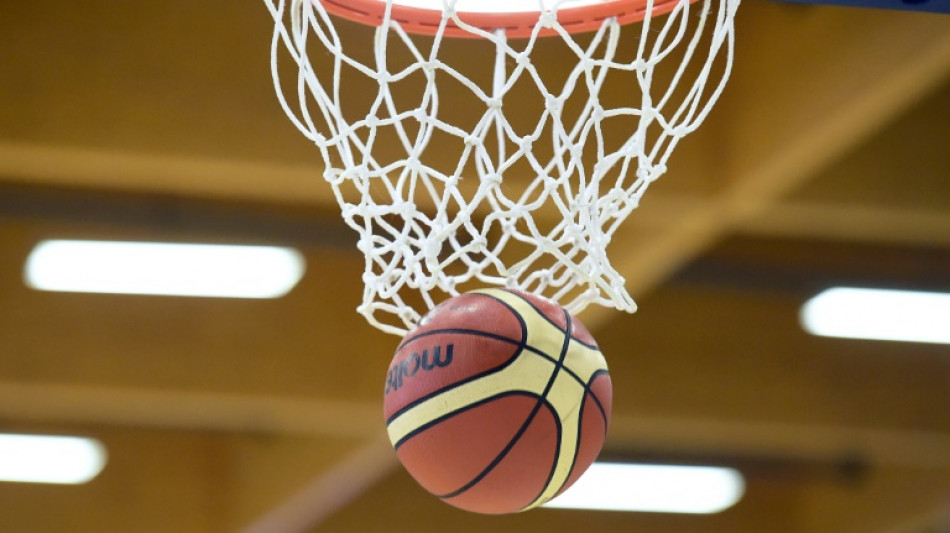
(516, 25)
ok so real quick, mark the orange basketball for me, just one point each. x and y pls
(497, 401)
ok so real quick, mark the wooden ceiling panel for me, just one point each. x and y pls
(905, 165)
(178, 78)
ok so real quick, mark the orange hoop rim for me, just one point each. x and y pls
(516, 25)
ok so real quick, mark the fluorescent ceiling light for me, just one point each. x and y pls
(653, 488)
(47, 459)
(164, 268)
(879, 314)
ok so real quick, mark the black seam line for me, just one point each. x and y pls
(548, 320)
(467, 407)
(464, 331)
(521, 346)
(550, 359)
(600, 406)
(524, 334)
(577, 447)
(580, 426)
(557, 450)
(517, 315)
(560, 433)
(524, 426)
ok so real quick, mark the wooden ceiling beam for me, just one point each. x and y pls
(246, 413)
(169, 174)
(825, 221)
(853, 223)
(183, 410)
(917, 449)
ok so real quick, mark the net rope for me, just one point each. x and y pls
(444, 202)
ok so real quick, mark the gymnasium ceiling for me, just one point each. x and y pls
(826, 162)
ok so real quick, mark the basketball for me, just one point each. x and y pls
(497, 401)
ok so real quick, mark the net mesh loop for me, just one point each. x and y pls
(530, 192)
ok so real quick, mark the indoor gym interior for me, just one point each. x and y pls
(825, 163)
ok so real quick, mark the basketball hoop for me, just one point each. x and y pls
(518, 18)
(462, 162)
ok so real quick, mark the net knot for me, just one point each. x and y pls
(616, 196)
(420, 116)
(548, 19)
(449, 282)
(404, 209)
(526, 143)
(333, 176)
(349, 211)
(364, 245)
(492, 179)
(523, 59)
(431, 249)
(598, 112)
(414, 165)
(649, 174)
(682, 131)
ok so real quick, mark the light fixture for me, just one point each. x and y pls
(879, 314)
(653, 488)
(212, 270)
(50, 459)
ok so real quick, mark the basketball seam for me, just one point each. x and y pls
(548, 320)
(541, 402)
(565, 346)
(461, 410)
(462, 330)
(557, 453)
(522, 345)
(600, 406)
(564, 349)
(577, 446)
(580, 427)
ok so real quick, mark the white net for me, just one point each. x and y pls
(465, 163)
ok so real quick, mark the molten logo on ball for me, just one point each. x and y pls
(409, 366)
(508, 411)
